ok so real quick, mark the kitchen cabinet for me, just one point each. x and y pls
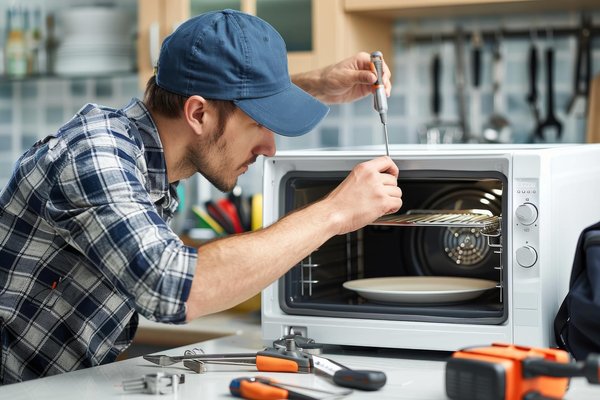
(394, 9)
(327, 35)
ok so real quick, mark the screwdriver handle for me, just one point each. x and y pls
(379, 98)
(360, 379)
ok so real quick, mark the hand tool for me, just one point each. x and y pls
(583, 70)
(379, 97)
(215, 211)
(158, 383)
(268, 360)
(346, 377)
(532, 96)
(459, 78)
(206, 221)
(263, 388)
(338, 373)
(497, 129)
(475, 100)
(303, 344)
(513, 372)
(197, 366)
(228, 208)
(551, 124)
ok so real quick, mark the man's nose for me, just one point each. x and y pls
(267, 147)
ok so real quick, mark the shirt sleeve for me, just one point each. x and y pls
(101, 207)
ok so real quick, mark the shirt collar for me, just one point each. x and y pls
(161, 192)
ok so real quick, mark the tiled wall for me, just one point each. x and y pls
(33, 108)
(409, 105)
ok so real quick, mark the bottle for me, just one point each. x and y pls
(33, 40)
(16, 57)
(51, 44)
(39, 40)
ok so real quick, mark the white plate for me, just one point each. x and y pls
(420, 289)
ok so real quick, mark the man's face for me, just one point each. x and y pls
(221, 157)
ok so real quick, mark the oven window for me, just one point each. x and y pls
(421, 263)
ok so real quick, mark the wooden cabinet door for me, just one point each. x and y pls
(156, 20)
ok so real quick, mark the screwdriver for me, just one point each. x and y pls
(264, 388)
(379, 97)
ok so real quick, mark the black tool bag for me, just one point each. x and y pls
(577, 324)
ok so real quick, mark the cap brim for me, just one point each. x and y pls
(291, 112)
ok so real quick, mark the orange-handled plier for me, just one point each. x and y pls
(268, 360)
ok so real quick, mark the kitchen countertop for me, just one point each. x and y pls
(410, 375)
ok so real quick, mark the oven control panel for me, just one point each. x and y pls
(525, 222)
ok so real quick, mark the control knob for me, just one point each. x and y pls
(526, 213)
(526, 256)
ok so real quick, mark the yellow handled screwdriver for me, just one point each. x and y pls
(379, 97)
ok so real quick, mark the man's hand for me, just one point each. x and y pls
(368, 192)
(346, 81)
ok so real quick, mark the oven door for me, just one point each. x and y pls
(439, 259)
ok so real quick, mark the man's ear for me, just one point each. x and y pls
(194, 112)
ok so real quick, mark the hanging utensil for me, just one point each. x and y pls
(459, 47)
(497, 129)
(583, 66)
(532, 96)
(476, 42)
(549, 129)
(438, 131)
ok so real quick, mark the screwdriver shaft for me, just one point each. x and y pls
(387, 147)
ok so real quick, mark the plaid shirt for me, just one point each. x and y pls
(85, 245)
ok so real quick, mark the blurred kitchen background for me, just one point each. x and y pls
(58, 55)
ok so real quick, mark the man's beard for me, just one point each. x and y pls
(211, 149)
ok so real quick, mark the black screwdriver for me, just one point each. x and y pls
(350, 378)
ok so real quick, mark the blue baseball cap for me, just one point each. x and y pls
(230, 55)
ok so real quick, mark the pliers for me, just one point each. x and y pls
(268, 360)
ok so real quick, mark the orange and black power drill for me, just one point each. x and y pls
(509, 372)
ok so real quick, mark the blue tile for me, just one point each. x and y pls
(397, 133)
(516, 105)
(397, 105)
(27, 141)
(103, 88)
(5, 143)
(29, 90)
(6, 116)
(487, 103)
(6, 90)
(363, 106)
(362, 134)
(29, 114)
(78, 88)
(130, 88)
(516, 73)
(330, 137)
(514, 48)
(54, 115)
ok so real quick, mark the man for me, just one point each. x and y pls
(84, 238)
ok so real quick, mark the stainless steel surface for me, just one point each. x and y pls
(450, 218)
(497, 128)
(235, 359)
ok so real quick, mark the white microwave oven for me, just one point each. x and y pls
(534, 201)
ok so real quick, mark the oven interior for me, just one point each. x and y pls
(429, 248)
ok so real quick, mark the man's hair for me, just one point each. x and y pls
(170, 105)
